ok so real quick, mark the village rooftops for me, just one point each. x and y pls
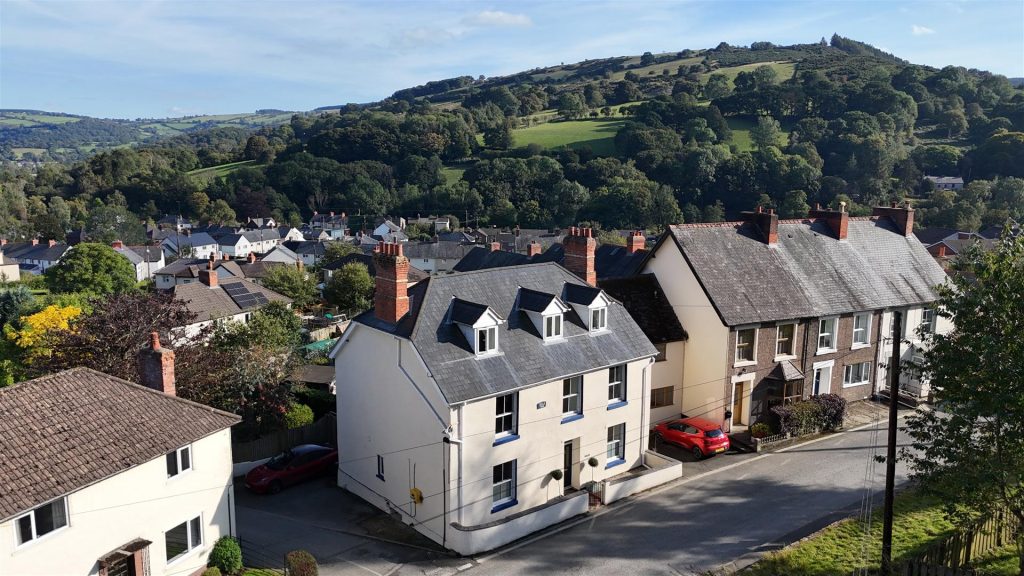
(227, 298)
(807, 272)
(68, 430)
(522, 357)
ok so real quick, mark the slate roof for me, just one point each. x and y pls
(155, 253)
(313, 247)
(534, 300)
(435, 250)
(809, 273)
(945, 179)
(190, 267)
(196, 239)
(130, 254)
(523, 358)
(461, 237)
(68, 430)
(785, 371)
(259, 269)
(415, 274)
(465, 312)
(41, 251)
(581, 294)
(610, 261)
(929, 236)
(483, 258)
(212, 303)
(647, 305)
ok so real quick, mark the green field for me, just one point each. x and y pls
(452, 174)
(208, 174)
(19, 152)
(783, 69)
(741, 133)
(599, 135)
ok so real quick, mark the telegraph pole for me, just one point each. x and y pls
(890, 454)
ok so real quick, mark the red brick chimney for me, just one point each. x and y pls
(838, 221)
(942, 251)
(35, 241)
(3, 241)
(51, 243)
(767, 224)
(580, 246)
(495, 246)
(208, 276)
(636, 242)
(156, 366)
(117, 245)
(224, 256)
(391, 287)
(901, 216)
(533, 249)
(252, 257)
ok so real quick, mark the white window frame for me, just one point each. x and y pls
(830, 364)
(619, 383)
(188, 539)
(31, 515)
(867, 331)
(552, 327)
(511, 412)
(491, 342)
(578, 395)
(178, 469)
(599, 319)
(834, 320)
(928, 320)
(511, 481)
(792, 341)
(753, 348)
(615, 449)
(848, 374)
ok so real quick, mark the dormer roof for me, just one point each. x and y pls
(580, 294)
(539, 302)
(471, 314)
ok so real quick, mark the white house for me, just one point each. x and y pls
(35, 257)
(103, 476)
(499, 399)
(146, 260)
(198, 245)
(9, 271)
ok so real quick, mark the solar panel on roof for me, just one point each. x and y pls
(235, 289)
(261, 299)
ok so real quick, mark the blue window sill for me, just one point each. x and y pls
(504, 506)
(614, 463)
(618, 404)
(506, 439)
(381, 478)
(572, 418)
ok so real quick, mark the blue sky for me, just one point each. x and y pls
(153, 59)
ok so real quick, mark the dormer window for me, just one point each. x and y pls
(591, 304)
(553, 326)
(598, 319)
(478, 323)
(486, 340)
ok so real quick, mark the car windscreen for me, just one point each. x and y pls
(280, 461)
(716, 433)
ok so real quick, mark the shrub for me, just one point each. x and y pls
(798, 418)
(212, 571)
(833, 409)
(300, 563)
(321, 401)
(226, 556)
(298, 415)
(760, 430)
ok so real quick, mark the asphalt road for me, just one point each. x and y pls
(730, 515)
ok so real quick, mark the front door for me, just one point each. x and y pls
(822, 380)
(567, 465)
(737, 404)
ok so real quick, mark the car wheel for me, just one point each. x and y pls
(697, 453)
(275, 487)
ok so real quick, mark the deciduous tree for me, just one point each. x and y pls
(350, 288)
(94, 269)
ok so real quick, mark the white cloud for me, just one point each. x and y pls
(920, 30)
(498, 18)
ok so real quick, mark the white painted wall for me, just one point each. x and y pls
(704, 391)
(138, 503)
(909, 384)
(661, 470)
(9, 273)
(669, 372)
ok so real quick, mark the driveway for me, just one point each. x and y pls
(347, 536)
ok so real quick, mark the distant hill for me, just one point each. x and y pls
(1017, 81)
(67, 137)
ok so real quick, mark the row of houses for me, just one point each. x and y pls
(516, 389)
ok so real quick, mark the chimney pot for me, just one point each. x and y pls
(767, 224)
(252, 257)
(495, 246)
(902, 217)
(225, 256)
(533, 249)
(636, 242)
(52, 243)
(837, 220)
(117, 245)
(156, 366)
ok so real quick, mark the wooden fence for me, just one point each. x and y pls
(323, 431)
(964, 546)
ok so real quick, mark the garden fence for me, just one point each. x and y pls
(323, 431)
(960, 548)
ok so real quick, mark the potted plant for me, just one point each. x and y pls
(556, 474)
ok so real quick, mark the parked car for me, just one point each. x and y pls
(291, 467)
(700, 436)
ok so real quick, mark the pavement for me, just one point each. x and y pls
(726, 511)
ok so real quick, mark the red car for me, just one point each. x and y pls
(291, 467)
(700, 436)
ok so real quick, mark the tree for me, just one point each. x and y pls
(794, 205)
(274, 326)
(334, 251)
(218, 212)
(955, 122)
(37, 335)
(717, 87)
(571, 105)
(970, 453)
(258, 148)
(94, 269)
(109, 223)
(500, 136)
(350, 288)
(294, 283)
(766, 133)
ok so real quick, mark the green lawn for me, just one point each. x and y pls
(208, 174)
(1002, 562)
(19, 152)
(741, 133)
(783, 69)
(16, 122)
(843, 547)
(599, 135)
(452, 174)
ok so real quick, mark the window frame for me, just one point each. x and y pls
(831, 349)
(620, 384)
(599, 319)
(490, 334)
(848, 374)
(615, 448)
(189, 538)
(791, 340)
(178, 470)
(510, 499)
(511, 413)
(577, 395)
(380, 467)
(737, 361)
(552, 327)
(928, 321)
(658, 396)
(867, 331)
(31, 515)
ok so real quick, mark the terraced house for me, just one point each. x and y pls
(482, 406)
(778, 311)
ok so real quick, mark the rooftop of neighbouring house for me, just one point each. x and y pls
(809, 272)
(68, 430)
(610, 260)
(415, 274)
(646, 303)
(228, 298)
(523, 358)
